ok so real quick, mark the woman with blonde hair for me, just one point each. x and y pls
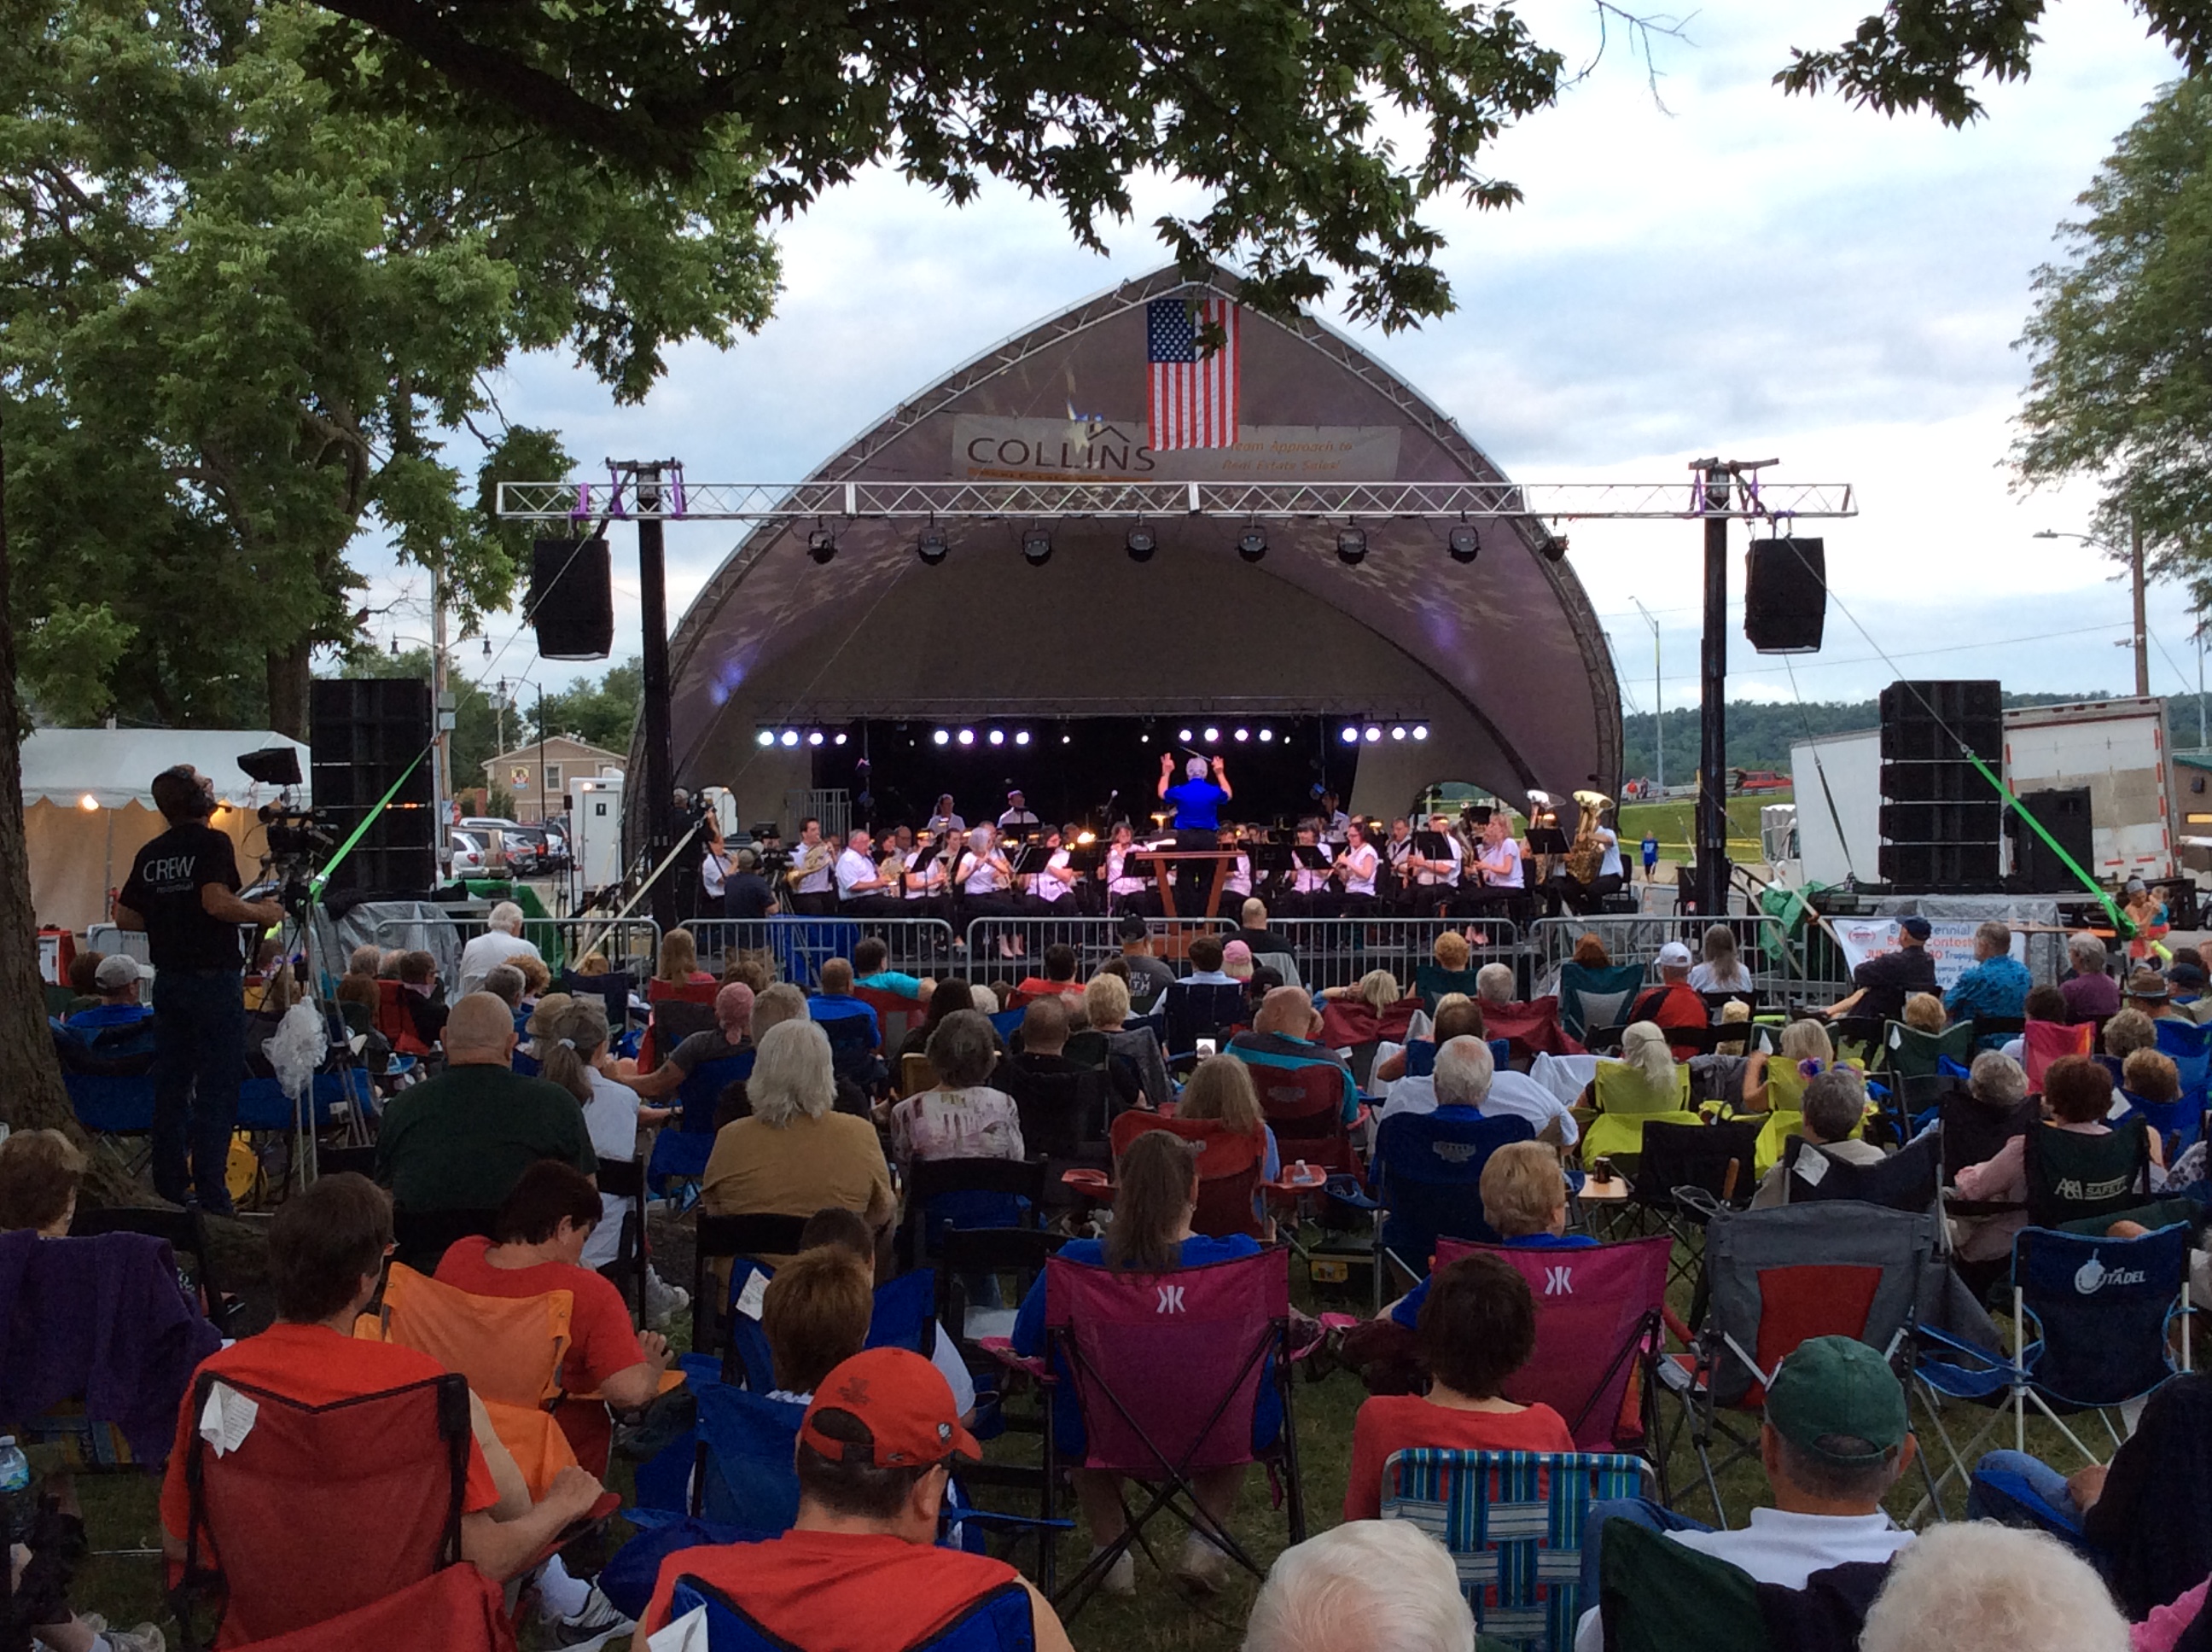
(1377, 987)
(1720, 969)
(1220, 1089)
(1646, 1083)
(1925, 1012)
(1806, 1052)
(678, 964)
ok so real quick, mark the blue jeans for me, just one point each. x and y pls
(2044, 1481)
(199, 1062)
(1641, 1511)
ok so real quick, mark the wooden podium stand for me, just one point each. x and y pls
(1164, 861)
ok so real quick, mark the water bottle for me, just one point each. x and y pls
(17, 1501)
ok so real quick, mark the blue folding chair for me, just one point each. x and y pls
(1592, 999)
(1007, 1022)
(2178, 1122)
(1000, 1622)
(2100, 1312)
(1513, 1521)
(802, 948)
(2190, 1047)
(1428, 1176)
(904, 1315)
(745, 1474)
(680, 1154)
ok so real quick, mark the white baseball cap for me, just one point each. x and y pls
(1673, 955)
(117, 970)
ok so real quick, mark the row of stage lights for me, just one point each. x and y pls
(791, 736)
(1210, 734)
(1353, 733)
(1464, 542)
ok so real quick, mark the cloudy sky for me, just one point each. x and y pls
(1719, 268)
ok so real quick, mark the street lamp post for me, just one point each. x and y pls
(1658, 709)
(2133, 556)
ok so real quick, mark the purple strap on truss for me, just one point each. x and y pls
(583, 507)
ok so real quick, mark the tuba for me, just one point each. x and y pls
(1587, 854)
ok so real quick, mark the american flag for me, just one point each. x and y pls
(1193, 398)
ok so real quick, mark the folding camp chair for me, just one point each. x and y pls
(1195, 1010)
(108, 1072)
(1658, 1595)
(742, 1472)
(613, 990)
(855, 1050)
(1909, 1053)
(894, 1014)
(1773, 1277)
(2179, 1123)
(1217, 1328)
(2072, 1177)
(724, 1239)
(1625, 1104)
(1513, 1521)
(1973, 1133)
(1594, 1000)
(1304, 1107)
(1599, 1320)
(1686, 1171)
(1000, 1622)
(680, 1154)
(674, 1019)
(1428, 1179)
(966, 1192)
(1064, 1116)
(1532, 1028)
(456, 1608)
(319, 1510)
(2044, 1041)
(1228, 1166)
(624, 1179)
(902, 1316)
(2190, 1044)
(421, 1238)
(185, 1233)
(1433, 982)
(1907, 1179)
(2101, 1312)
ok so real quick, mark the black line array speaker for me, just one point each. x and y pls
(1942, 822)
(366, 732)
(2064, 812)
(1785, 595)
(572, 597)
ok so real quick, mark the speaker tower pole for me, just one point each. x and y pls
(659, 753)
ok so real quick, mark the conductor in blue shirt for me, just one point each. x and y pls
(1197, 802)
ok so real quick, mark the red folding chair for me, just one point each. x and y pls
(1600, 1321)
(320, 1510)
(1217, 1328)
(1305, 1108)
(1532, 1029)
(396, 1022)
(1349, 1023)
(2044, 1041)
(456, 1609)
(1229, 1168)
(895, 1014)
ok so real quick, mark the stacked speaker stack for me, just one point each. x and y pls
(1942, 822)
(365, 733)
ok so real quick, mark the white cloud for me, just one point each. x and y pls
(1739, 270)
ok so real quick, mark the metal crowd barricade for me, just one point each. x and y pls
(629, 943)
(796, 948)
(1338, 951)
(997, 946)
(1777, 968)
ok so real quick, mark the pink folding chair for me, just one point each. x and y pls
(1599, 1323)
(2044, 1041)
(1224, 1331)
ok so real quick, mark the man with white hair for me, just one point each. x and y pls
(501, 943)
(1493, 983)
(1365, 1584)
(1974, 1586)
(2091, 994)
(1198, 800)
(1468, 1075)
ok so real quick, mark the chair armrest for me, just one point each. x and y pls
(1002, 1350)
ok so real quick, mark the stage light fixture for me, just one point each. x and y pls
(821, 545)
(1252, 544)
(1555, 547)
(1244, 734)
(1021, 737)
(997, 736)
(766, 737)
(840, 740)
(1267, 735)
(942, 736)
(814, 737)
(789, 736)
(1036, 547)
(1464, 542)
(1421, 731)
(1373, 733)
(967, 736)
(1213, 737)
(1397, 731)
(930, 544)
(1140, 542)
(1352, 546)
(1067, 740)
(1183, 735)
(1351, 735)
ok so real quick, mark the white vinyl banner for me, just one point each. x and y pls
(992, 449)
(1950, 943)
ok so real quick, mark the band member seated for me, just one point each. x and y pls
(1436, 878)
(810, 876)
(1355, 870)
(983, 878)
(1128, 889)
(926, 880)
(1591, 869)
(1396, 888)
(1307, 895)
(862, 890)
(1016, 821)
(1051, 888)
(1237, 885)
(1504, 880)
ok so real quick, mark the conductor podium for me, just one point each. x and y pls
(1164, 861)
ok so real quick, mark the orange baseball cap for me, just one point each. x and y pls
(906, 1405)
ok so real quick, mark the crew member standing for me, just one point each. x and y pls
(183, 893)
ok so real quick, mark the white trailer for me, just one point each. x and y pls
(2117, 751)
(595, 819)
(1837, 779)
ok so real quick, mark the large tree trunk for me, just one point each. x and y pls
(289, 676)
(31, 1093)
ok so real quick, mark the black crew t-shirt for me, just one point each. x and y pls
(164, 889)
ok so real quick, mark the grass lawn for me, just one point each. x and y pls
(120, 1514)
(1674, 821)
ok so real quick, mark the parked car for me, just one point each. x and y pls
(471, 852)
(1760, 779)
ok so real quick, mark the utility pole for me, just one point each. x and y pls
(2142, 631)
(1658, 706)
(441, 777)
(1716, 486)
(659, 757)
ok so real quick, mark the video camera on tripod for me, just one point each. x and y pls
(296, 840)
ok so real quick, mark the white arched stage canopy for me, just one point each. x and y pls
(1502, 658)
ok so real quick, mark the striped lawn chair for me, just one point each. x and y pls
(1513, 1520)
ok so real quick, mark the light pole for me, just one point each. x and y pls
(1658, 714)
(2133, 556)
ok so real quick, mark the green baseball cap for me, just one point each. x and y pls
(1838, 1385)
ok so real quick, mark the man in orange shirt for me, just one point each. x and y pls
(1673, 1005)
(326, 1251)
(860, 1571)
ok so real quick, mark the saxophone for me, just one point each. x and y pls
(1586, 854)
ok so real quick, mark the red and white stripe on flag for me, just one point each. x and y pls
(1193, 394)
